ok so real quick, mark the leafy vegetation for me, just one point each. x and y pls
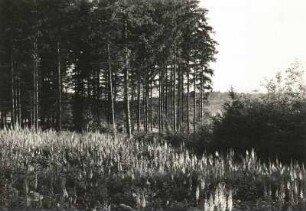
(50, 169)
(273, 124)
(135, 65)
(79, 64)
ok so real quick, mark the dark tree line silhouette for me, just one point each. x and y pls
(76, 64)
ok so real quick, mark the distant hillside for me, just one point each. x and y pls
(216, 100)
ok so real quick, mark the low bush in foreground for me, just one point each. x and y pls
(69, 170)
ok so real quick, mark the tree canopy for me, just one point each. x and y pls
(57, 57)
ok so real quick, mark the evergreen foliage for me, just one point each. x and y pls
(55, 62)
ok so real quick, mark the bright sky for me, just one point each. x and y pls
(257, 38)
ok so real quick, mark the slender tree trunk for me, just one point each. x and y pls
(88, 95)
(182, 97)
(133, 95)
(151, 105)
(194, 100)
(160, 96)
(126, 80)
(171, 97)
(19, 102)
(179, 102)
(105, 95)
(188, 95)
(97, 96)
(175, 113)
(78, 106)
(2, 118)
(1, 112)
(12, 91)
(201, 98)
(115, 87)
(16, 95)
(35, 73)
(110, 82)
(5, 119)
(59, 87)
(164, 98)
(138, 103)
(146, 106)
(35, 80)
(94, 92)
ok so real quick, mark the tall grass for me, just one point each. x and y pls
(70, 170)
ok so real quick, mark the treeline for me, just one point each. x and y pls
(79, 63)
(273, 124)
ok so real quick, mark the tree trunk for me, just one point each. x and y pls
(35, 73)
(180, 116)
(97, 96)
(160, 96)
(133, 95)
(35, 81)
(111, 97)
(2, 118)
(171, 97)
(188, 95)
(78, 104)
(182, 97)
(151, 105)
(16, 94)
(126, 84)
(201, 97)
(165, 101)
(19, 102)
(138, 103)
(146, 102)
(5, 119)
(12, 91)
(163, 96)
(59, 88)
(194, 99)
(175, 113)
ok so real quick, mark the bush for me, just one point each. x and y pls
(201, 140)
(274, 124)
(272, 128)
(197, 142)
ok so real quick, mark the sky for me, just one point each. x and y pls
(257, 38)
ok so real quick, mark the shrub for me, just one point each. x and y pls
(273, 128)
(274, 124)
